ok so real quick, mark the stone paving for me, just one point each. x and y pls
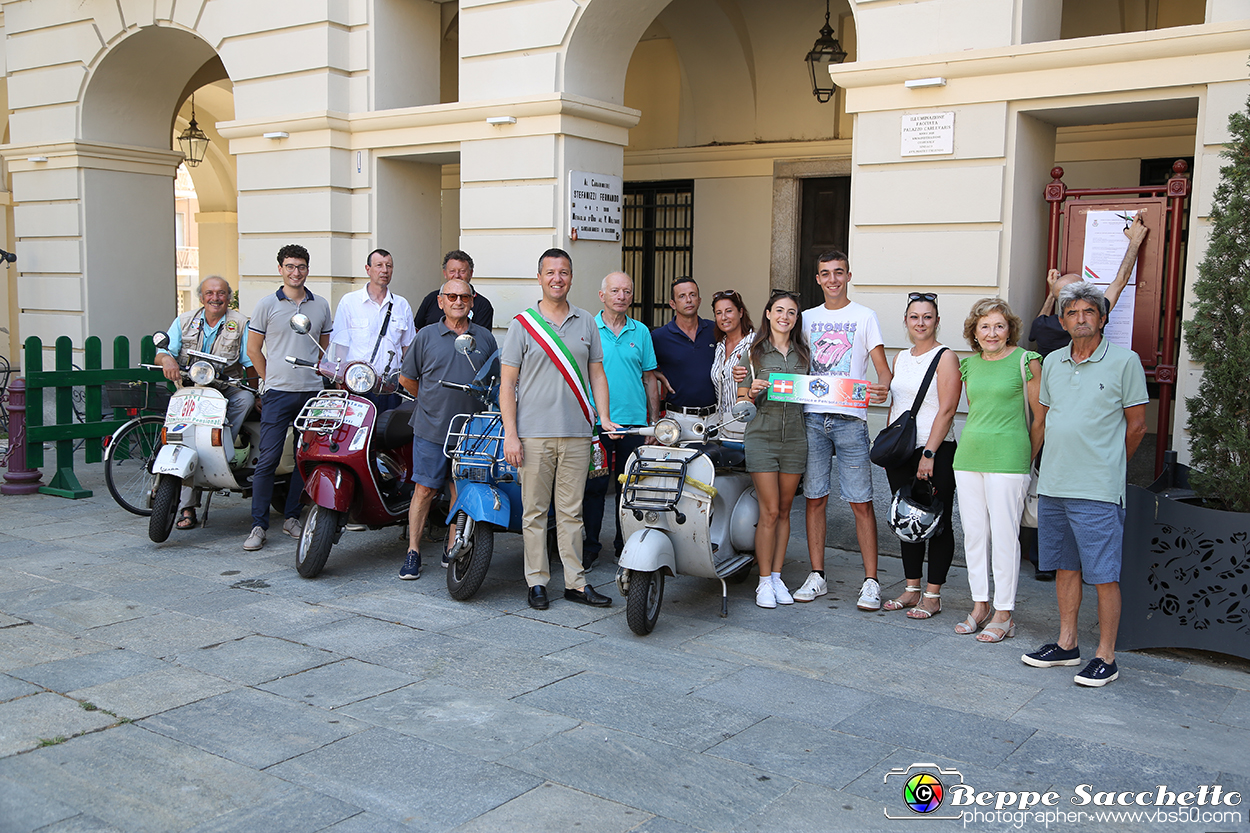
(194, 686)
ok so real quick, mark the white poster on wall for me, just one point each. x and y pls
(1105, 246)
(595, 206)
(927, 134)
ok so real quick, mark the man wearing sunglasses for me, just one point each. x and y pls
(458, 265)
(432, 358)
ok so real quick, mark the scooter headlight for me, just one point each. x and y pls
(667, 431)
(360, 377)
(202, 373)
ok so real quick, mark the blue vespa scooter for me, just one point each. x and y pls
(488, 489)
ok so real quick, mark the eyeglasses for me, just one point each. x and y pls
(457, 296)
(780, 293)
(731, 294)
(295, 267)
(922, 296)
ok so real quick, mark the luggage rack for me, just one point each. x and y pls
(661, 493)
(324, 413)
(476, 451)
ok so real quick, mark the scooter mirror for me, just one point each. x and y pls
(465, 344)
(744, 411)
(160, 339)
(301, 323)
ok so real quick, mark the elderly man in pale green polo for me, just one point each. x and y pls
(1093, 397)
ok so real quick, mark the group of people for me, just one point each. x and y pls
(568, 378)
(1087, 401)
(371, 324)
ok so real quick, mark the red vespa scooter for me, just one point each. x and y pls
(355, 461)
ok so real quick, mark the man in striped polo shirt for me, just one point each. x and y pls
(551, 360)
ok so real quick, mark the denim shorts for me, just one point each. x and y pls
(848, 436)
(430, 466)
(1076, 534)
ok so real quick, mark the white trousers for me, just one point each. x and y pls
(990, 506)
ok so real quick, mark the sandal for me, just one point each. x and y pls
(919, 612)
(1005, 630)
(899, 604)
(188, 519)
(970, 625)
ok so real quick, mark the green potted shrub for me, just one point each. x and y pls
(1186, 574)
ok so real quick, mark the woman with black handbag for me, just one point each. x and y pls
(934, 447)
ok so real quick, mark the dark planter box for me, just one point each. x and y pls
(1185, 577)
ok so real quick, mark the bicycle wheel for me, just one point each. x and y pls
(128, 462)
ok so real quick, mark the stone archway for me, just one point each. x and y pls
(130, 111)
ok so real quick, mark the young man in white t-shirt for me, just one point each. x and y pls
(843, 336)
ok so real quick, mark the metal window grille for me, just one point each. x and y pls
(659, 244)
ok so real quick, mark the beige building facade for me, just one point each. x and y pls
(420, 126)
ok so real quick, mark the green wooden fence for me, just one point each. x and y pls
(61, 381)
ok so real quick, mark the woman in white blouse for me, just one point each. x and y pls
(734, 332)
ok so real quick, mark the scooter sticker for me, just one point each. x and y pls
(196, 408)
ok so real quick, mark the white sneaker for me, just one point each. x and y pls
(780, 591)
(256, 540)
(869, 595)
(813, 587)
(765, 595)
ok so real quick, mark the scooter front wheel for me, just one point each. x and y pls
(642, 605)
(164, 508)
(466, 573)
(315, 541)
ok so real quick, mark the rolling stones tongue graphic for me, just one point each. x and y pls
(828, 352)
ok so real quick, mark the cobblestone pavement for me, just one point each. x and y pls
(195, 686)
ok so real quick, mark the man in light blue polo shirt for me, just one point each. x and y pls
(629, 364)
(1093, 397)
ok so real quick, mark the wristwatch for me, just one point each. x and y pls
(928, 455)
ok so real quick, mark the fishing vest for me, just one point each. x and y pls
(228, 343)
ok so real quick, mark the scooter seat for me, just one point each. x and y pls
(725, 458)
(393, 428)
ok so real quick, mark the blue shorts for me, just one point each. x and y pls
(1084, 535)
(834, 436)
(430, 466)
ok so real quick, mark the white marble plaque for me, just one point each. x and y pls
(595, 206)
(927, 134)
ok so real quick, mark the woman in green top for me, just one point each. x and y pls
(776, 440)
(992, 461)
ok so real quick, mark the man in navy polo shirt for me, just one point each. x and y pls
(629, 363)
(684, 350)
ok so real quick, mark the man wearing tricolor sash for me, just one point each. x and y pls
(551, 361)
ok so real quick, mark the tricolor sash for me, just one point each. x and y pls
(553, 346)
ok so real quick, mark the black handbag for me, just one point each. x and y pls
(897, 441)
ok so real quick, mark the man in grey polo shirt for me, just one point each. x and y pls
(431, 359)
(1093, 397)
(549, 354)
(284, 387)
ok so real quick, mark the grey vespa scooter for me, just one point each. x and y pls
(687, 508)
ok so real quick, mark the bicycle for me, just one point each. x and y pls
(131, 450)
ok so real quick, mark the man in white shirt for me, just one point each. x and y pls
(843, 336)
(374, 325)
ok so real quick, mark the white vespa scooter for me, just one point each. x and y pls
(686, 509)
(197, 449)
